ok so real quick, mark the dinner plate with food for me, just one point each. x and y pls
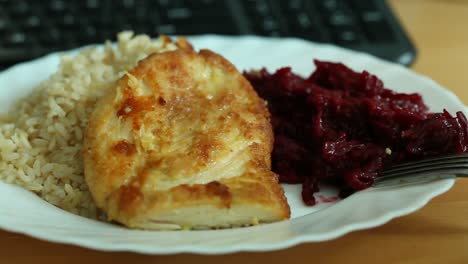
(214, 144)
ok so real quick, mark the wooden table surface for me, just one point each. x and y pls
(438, 233)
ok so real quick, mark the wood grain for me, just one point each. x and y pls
(438, 233)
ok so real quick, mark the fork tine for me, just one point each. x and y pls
(440, 167)
(424, 166)
(449, 166)
(461, 157)
(418, 177)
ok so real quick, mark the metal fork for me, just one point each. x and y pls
(445, 167)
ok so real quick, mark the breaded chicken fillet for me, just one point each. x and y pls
(183, 142)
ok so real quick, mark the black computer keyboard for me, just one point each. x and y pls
(31, 28)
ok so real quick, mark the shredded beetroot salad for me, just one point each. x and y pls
(343, 127)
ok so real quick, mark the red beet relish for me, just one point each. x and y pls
(343, 127)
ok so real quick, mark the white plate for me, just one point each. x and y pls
(23, 212)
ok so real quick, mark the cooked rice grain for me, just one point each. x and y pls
(40, 142)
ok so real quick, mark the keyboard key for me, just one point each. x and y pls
(300, 20)
(341, 18)
(346, 36)
(379, 31)
(372, 16)
(124, 23)
(207, 6)
(16, 38)
(127, 4)
(13, 54)
(269, 24)
(107, 35)
(137, 15)
(49, 36)
(120, 21)
(139, 27)
(20, 8)
(179, 13)
(4, 24)
(292, 5)
(258, 8)
(32, 22)
(105, 21)
(57, 6)
(178, 3)
(69, 39)
(191, 22)
(364, 5)
(88, 34)
(302, 25)
(92, 4)
(187, 29)
(265, 26)
(194, 4)
(262, 8)
(141, 13)
(167, 29)
(262, 19)
(330, 6)
(164, 3)
(310, 34)
(67, 21)
(207, 28)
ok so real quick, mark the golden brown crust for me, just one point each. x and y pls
(124, 147)
(182, 43)
(182, 129)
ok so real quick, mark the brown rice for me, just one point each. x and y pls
(41, 140)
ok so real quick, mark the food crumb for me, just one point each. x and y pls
(255, 221)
